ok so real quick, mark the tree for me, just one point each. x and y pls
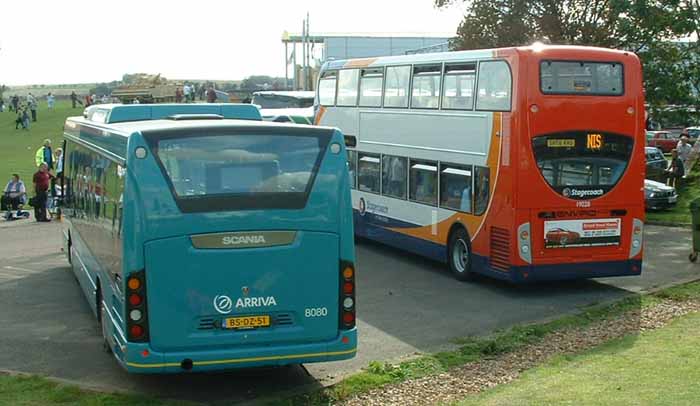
(650, 28)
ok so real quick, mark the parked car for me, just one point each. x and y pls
(283, 106)
(658, 195)
(662, 140)
(561, 236)
(656, 164)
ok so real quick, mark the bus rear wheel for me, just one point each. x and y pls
(459, 255)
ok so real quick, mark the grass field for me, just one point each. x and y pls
(661, 367)
(17, 147)
(687, 192)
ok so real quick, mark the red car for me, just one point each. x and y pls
(662, 140)
(561, 236)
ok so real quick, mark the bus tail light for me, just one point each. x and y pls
(347, 295)
(524, 246)
(637, 237)
(136, 308)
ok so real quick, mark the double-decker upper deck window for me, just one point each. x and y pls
(371, 87)
(578, 77)
(494, 90)
(426, 87)
(326, 88)
(347, 87)
(458, 90)
(396, 88)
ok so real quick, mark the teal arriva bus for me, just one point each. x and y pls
(205, 239)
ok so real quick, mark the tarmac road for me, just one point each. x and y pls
(406, 305)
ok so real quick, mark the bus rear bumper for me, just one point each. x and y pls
(565, 271)
(141, 359)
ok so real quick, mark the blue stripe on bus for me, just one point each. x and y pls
(365, 226)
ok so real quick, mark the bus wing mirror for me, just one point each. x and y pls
(350, 141)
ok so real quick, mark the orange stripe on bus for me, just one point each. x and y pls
(360, 63)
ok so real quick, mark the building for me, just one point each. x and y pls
(318, 48)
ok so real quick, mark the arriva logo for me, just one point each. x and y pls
(244, 302)
(243, 239)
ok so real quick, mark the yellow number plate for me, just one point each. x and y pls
(247, 322)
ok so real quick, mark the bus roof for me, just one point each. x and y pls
(295, 94)
(118, 113)
(112, 138)
(456, 56)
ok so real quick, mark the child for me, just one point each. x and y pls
(25, 118)
(675, 169)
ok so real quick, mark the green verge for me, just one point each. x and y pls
(17, 147)
(471, 349)
(688, 191)
(38, 391)
(659, 367)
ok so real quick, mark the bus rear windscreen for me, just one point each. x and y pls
(221, 172)
(584, 78)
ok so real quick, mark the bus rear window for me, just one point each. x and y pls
(228, 172)
(585, 78)
(582, 164)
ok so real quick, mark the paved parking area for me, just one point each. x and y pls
(407, 305)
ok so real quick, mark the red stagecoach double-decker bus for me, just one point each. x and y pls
(523, 164)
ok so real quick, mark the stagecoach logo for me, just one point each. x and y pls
(363, 206)
(243, 239)
(581, 193)
(223, 304)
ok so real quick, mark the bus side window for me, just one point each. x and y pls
(394, 176)
(458, 90)
(396, 87)
(494, 89)
(426, 87)
(347, 87)
(352, 167)
(326, 89)
(368, 173)
(481, 189)
(371, 87)
(456, 187)
(423, 182)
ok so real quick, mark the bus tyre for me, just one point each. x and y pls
(459, 255)
(103, 324)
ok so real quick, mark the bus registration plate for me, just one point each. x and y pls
(246, 322)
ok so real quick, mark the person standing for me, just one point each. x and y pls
(675, 169)
(44, 155)
(2, 105)
(211, 95)
(74, 99)
(15, 102)
(31, 101)
(187, 90)
(41, 181)
(50, 100)
(105, 99)
(684, 148)
(178, 95)
(25, 117)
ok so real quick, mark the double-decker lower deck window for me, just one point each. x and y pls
(368, 179)
(456, 187)
(578, 77)
(423, 182)
(394, 176)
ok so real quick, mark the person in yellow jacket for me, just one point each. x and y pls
(44, 154)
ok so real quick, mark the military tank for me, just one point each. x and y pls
(147, 88)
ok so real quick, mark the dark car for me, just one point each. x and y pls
(656, 164)
(658, 195)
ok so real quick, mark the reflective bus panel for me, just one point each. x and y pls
(212, 243)
(522, 164)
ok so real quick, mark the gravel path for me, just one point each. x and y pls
(474, 377)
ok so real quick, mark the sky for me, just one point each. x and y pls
(79, 41)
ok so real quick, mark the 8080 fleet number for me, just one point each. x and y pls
(316, 312)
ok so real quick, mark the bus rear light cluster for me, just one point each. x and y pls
(347, 295)
(137, 313)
